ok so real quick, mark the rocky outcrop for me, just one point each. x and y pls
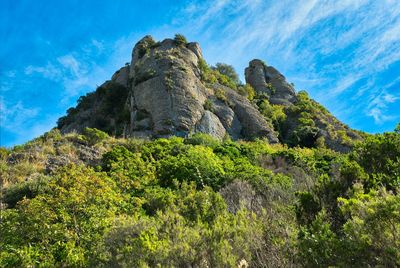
(252, 123)
(121, 76)
(160, 94)
(267, 80)
(166, 85)
(168, 91)
(163, 92)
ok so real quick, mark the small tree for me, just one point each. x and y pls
(180, 40)
(227, 70)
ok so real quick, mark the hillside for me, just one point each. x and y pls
(175, 163)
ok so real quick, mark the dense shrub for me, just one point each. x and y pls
(180, 40)
(198, 201)
(227, 70)
(64, 225)
(379, 155)
(93, 136)
(212, 75)
(198, 164)
(27, 189)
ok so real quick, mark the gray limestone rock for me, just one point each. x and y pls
(166, 86)
(121, 76)
(195, 48)
(253, 124)
(210, 124)
(266, 79)
(227, 117)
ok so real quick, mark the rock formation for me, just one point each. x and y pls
(266, 79)
(166, 97)
(163, 92)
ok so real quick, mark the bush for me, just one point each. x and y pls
(198, 164)
(379, 155)
(192, 229)
(212, 75)
(227, 70)
(273, 113)
(208, 105)
(202, 139)
(131, 173)
(180, 40)
(63, 226)
(220, 94)
(4, 153)
(248, 91)
(93, 136)
(28, 189)
(304, 136)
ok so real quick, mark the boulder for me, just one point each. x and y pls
(210, 124)
(253, 124)
(227, 117)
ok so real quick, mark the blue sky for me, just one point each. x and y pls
(345, 53)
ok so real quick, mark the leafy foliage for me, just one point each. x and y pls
(103, 109)
(227, 70)
(212, 75)
(355, 219)
(180, 40)
(198, 202)
(305, 122)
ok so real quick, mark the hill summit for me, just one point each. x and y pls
(168, 89)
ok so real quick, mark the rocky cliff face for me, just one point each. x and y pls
(166, 96)
(163, 92)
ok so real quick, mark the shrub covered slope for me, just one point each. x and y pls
(92, 200)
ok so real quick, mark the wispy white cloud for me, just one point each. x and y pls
(76, 72)
(12, 117)
(68, 75)
(49, 71)
(98, 45)
(71, 64)
(378, 116)
(378, 106)
(22, 122)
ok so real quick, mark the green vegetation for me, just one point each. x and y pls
(92, 200)
(248, 91)
(208, 105)
(180, 40)
(227, 70)
(304, 122)
(223, 74)
(275, 114)
(103, 109)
